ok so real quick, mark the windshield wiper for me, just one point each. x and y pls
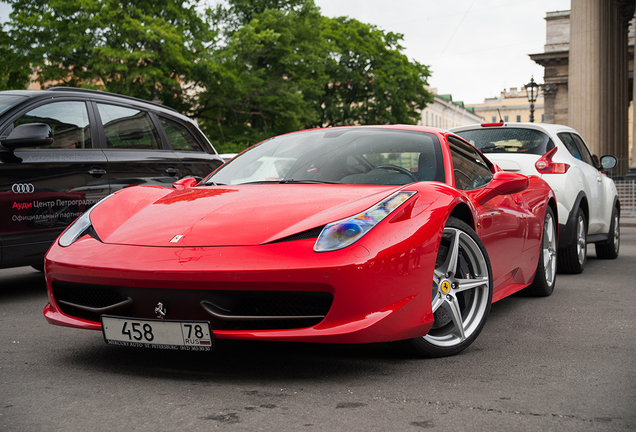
(486, 148)
(259, 182)
(308, 181)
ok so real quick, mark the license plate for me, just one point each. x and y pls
(160, 334)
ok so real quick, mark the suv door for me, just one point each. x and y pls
(197, 156)
(43, 189)
(592, 178)
(134, 149)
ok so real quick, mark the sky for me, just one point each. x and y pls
(475, 49)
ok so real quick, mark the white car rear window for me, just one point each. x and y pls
(508, 140)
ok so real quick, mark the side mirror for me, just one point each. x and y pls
(502, 183)
(608, 162)
(184, 183)
(29, 135)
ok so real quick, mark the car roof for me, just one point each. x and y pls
(65, 92)
(549, 128)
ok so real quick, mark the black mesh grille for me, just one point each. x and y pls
(186, 304)
(94, 296)
(271, 324)
(265, 303)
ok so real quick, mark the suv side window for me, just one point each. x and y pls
(128, 128)
(567, 139)
(180, 138)
(68, 122)
(585, 152)
(469, 168)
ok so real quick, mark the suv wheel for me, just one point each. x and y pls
(572, 258)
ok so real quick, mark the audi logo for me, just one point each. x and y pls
(19, 188)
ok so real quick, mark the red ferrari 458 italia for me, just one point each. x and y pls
(343, 235)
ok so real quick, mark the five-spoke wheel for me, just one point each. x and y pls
(461, 294)
(544, 278)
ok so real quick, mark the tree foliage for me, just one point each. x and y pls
(246, 70)
(14, 68)
(370, 80)
(140, 48)
(284, 66)
(267, 74)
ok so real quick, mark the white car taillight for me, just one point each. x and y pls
(546, 166)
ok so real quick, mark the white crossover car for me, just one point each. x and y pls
(588, 205)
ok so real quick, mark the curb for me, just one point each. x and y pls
(629, 223)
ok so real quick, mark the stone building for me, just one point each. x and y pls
(588, 80)
(444, 113)
(511, 106)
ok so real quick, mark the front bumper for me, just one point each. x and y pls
(354, 295)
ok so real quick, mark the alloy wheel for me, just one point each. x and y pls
(461, 288)
(581, 240)
(549, 249)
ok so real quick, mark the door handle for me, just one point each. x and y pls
(97, 172)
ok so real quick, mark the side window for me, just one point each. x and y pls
(180, 138)
(585, 152)
(68, 122)
(128, 128)
(570, 145)
(469, 168)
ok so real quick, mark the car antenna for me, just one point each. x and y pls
(500, 119)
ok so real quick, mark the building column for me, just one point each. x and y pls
(597, 97)
(631, 175)
(549, 95)
(618, 135)
(584, 95)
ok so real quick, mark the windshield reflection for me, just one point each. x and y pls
(354, 155)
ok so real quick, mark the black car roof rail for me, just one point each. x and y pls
(99, 92)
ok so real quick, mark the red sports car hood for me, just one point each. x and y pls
(226, 215)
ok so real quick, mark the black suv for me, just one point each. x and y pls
(64, 149)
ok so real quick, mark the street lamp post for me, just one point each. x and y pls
(532, 89)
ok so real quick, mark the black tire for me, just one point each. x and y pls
(460, 305)
(572, 259)
(545, 276)
(610, 248)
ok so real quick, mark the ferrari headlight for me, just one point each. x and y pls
(342, 233)
(78, 228)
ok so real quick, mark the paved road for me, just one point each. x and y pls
(563, 363)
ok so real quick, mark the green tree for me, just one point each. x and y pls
(284, 67)
(139, 48)
(14, 68)
(246, 70)
(267, 75)
(370, 80)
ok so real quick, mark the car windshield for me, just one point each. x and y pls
(7, 101)
(508, 140)
(339, 155)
